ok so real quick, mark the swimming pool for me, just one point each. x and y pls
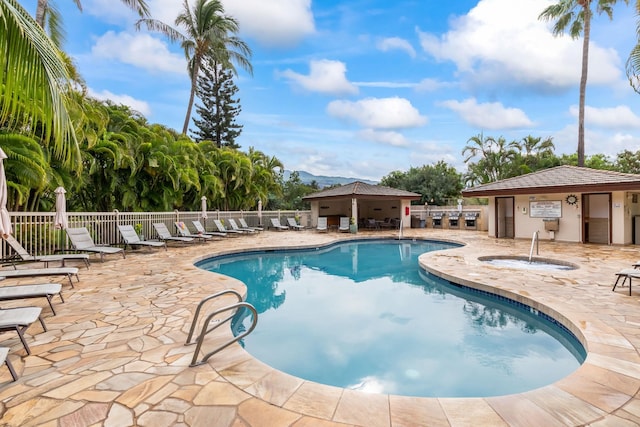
(362, 315)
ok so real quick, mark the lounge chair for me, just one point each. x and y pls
(19, 320)
(46, 259)
(82, 241)
(234, 226)
(44, 290)
(243, 224)
(221, 228)
(626, 274)
(294, 225)
(200, 229)
(275, 223)
(387, 223)
(184, 232)
(165, 235)
(4, 352)
(131, 238)
(322, 224)
(371, 224)
(20, 273)
(344, 224)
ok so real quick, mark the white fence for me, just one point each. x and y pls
(36, 231)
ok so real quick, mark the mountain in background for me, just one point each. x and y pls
(325, 181)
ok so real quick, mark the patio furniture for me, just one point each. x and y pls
(184, 232)
(200, 229)
(221, 228)
(626, 274)
(344, 224)
(21, 273)
(46, 259)
(322, 224)
(131, 238)
(294, 225)
(4, 352)
(243, 224)
(275, 223)
(234, 226)
(19, 320)
(165, 235)
(43, 290)
(82, 241)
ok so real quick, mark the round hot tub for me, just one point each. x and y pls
(524, 263)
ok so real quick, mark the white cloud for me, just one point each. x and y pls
(489, 115)
(396, 43)
(113, 12)
(378, 113)
(521, 50)
(617, 117)
(431, 85)
(325, 76)
(140, 50)
(135, 104)
(392, 138)
(273, 23)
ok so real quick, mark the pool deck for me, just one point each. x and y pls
(115, 354)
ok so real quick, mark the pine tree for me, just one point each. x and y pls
(217, 114)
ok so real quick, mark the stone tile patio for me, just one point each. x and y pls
(114, 355)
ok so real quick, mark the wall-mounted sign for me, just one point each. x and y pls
(545, 209)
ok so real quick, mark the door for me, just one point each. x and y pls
(596, 218)
(504, 218)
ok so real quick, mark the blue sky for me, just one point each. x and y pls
(365, 87)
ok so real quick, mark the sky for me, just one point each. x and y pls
(362, 88)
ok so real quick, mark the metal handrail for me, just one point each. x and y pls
(535, 240)
(205, 326)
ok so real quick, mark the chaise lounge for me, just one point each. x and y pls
(19, 320)
(20, 273)
(200, 229)
(82, 241)
(46, 259)
(165, 235)
(44, 290)
(132, 239)
(275, 223)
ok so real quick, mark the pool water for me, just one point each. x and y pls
(362, 315)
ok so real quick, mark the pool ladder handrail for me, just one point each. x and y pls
(536, 241)
(205, 325)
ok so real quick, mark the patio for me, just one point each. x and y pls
(114, 355)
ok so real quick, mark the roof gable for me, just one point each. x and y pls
(358, 189)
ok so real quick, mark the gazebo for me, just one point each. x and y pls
(359, 200)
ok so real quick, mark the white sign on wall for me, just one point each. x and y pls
(545, 209)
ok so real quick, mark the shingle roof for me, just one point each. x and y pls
(558, 180)
(361, 190)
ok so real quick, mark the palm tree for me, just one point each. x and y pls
(633, 62)
(576, 15)
(209, 35)
(48, 16)
(34, 82)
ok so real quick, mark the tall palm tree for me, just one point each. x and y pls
(633, 62)
(48, 16)
(208, 35)
(576, 16)
(34, 82)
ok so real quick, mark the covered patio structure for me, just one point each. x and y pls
(362, 201)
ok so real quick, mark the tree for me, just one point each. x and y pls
(436, 183)
(219, 110)
(576, 14)
(34, 82)
(628, 162)
(209, 35)
(534, 153)
(495, 159)
(49, 18)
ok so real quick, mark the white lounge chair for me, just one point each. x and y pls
(43, 290)
(234, 226)
(294, 225)
(322, 224)
(626, 274)
(184, 232)
(19, 320)
(243, 224)
(344, 224)
(21, 273)
(221, 228)
(131, 238)
(165, 235)
(46, 259)
(82, 241)
(275, 223)
(200, 229)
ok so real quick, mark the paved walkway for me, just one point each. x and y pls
(114, 355)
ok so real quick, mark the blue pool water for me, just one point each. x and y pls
(363, 315)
